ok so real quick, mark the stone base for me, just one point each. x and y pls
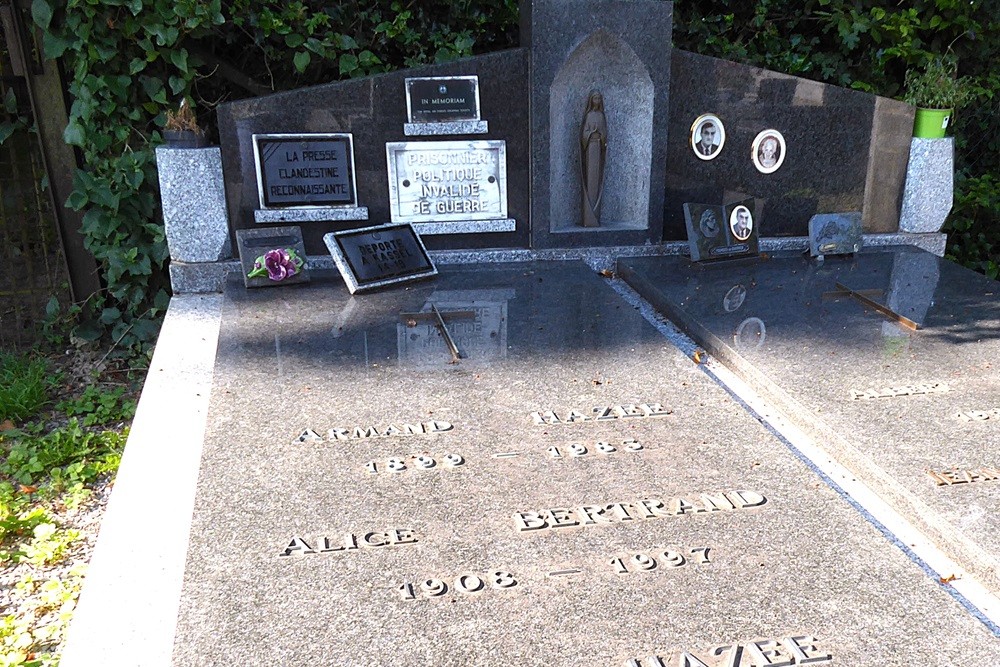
(444, 129)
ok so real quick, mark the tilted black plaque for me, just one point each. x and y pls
(377, 256)
(305, 170)
(442, 99)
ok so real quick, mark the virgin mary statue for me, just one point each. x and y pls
(593, 155)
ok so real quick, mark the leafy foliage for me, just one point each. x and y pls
(99, 406)
(24, 386)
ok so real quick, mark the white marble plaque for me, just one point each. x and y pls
(447, 181)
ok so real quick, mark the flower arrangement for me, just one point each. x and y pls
(277, 264)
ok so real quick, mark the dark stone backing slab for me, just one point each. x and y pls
(846, 150)
(551, 337)
(817, 350)
(373, 110)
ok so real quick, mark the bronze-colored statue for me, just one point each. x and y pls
(593, 157)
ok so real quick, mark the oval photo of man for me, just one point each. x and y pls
(708, 135)
(741, 223)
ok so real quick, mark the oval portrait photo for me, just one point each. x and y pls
(741, 223)
(708, 135)
(768, 151)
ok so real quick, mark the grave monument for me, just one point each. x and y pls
(512, 460)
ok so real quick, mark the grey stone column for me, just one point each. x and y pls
(930, 179)
(194, 204)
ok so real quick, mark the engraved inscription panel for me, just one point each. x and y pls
(447, 181)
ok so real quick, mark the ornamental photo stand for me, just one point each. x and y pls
(272, 257)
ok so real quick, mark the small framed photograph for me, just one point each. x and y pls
(741, 223)
(768, 151)
(708, 136)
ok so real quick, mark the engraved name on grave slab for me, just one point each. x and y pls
(908, 390)
(794, 650)
(350, 542)
(375, 431)
(447, 181)
(305, 170)
(978, 415)
(963, 476)
(648, 508)
(602, 413)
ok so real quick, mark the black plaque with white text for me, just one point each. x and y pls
(376, 256)
(307, 170)
(442, 99)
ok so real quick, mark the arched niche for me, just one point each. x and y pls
(603, 62)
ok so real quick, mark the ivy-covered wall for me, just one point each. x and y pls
(129, 61)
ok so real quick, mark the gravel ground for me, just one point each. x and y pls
(31, 602)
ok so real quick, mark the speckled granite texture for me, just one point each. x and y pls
(194, 203)
(540, 337)
(811, 352)
(930, 183)
(195, 278)
(455, 127)
(330, 213)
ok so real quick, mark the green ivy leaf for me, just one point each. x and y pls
(41, 13)
(74, 135)
(54, 46)
(348, 64)
(180, 60)
(294, 40)
(301, 61)
(136, 66)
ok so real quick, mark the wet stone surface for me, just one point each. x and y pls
(573, 491)
(899, 407)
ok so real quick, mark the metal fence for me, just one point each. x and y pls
(32, 266)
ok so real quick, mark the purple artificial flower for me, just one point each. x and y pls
(279, 264)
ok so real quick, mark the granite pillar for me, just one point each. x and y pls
(929, 192)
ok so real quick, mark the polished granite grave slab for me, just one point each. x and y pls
(908, 412)
(573, 491)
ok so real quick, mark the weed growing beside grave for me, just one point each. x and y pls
(55, 468)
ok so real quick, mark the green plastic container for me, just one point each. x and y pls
(931, 123)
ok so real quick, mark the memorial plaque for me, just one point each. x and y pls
(373, 257)
(589, 498)
(272, 257)
(438, 99)
(305, 170)
(441, 181)
(888, 402)
(834, 234)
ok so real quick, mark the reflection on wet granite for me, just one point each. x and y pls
(883, 400)
(493, 313)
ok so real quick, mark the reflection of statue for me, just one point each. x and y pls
(593, 153)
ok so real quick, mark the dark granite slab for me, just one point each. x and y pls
(373, 110)
(890, 403)
(787, 557)
(845, 150)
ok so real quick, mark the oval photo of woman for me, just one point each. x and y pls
(768, 151)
